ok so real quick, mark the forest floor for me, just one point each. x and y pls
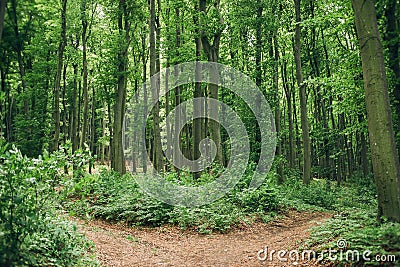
(120, 245)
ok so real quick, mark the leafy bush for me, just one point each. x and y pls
(114, 197)
(56, 242)
(27, 191)
(218, 216)
(263, 199)
(318, 194)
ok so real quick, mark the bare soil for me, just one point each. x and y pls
(119, 245)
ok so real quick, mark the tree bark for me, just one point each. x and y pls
(155, 89)
(211, 49)
(19, 46)
(85, 75)
(117, 157)
(3, 5)
(61, 47)
(277, 109)
(303, 99)
(74, 115)
(385, 160)
(393, 45)
(145, 101)
(198, 109)
(177, 92)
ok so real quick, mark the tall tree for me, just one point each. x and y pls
(393, 45)
(198, 109)
(303, 98)
(385, 160)
(117, 153)
(3, 5)
(211, 45)
(61, 48)
(157, 149)
(84, 72)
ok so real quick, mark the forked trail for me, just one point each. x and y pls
(118, 245)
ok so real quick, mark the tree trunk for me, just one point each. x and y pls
(117, 157)
(385, 160)
(74, 115)
(93, 128)
(303, 100)
(288, 94)
(393, 45)
(211, 49)
(145, 100)
(19, 49)
(61, 48)
(277, 109)
(155, 89)
(198, 109)
(85, 75)
(3, 5)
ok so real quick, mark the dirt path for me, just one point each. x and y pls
(169, 246)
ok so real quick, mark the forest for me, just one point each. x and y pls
(132, 130)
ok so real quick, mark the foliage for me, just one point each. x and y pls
(361, 231)
(325, 195)
(118, 198)
(29, 233)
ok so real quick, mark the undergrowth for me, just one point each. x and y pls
(32, 231)
(118, 198)
(359, 238)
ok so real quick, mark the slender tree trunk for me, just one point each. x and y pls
(259, 70)
(2, 108)
(85, 75)
(198, 109)
(93, 128)
(288, 94)
(3, 5)
(56, 111)
(385, 159)
(74, 115)
(145, 100)
(155, 89)
(19, 49)
(65, 112)
(277, 109)
(177, 91)
(303, 100)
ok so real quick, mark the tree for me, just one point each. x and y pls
(385, 160)
(211, 49)
(157, 149)
(393, 45)
(117, 147)
(84, 72)
(61, 47)
(3, 4)
(303, 99)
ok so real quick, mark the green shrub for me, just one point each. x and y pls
(318, 194)
(118, 198)
(27, 193)
(218, 216)
(263, 199)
